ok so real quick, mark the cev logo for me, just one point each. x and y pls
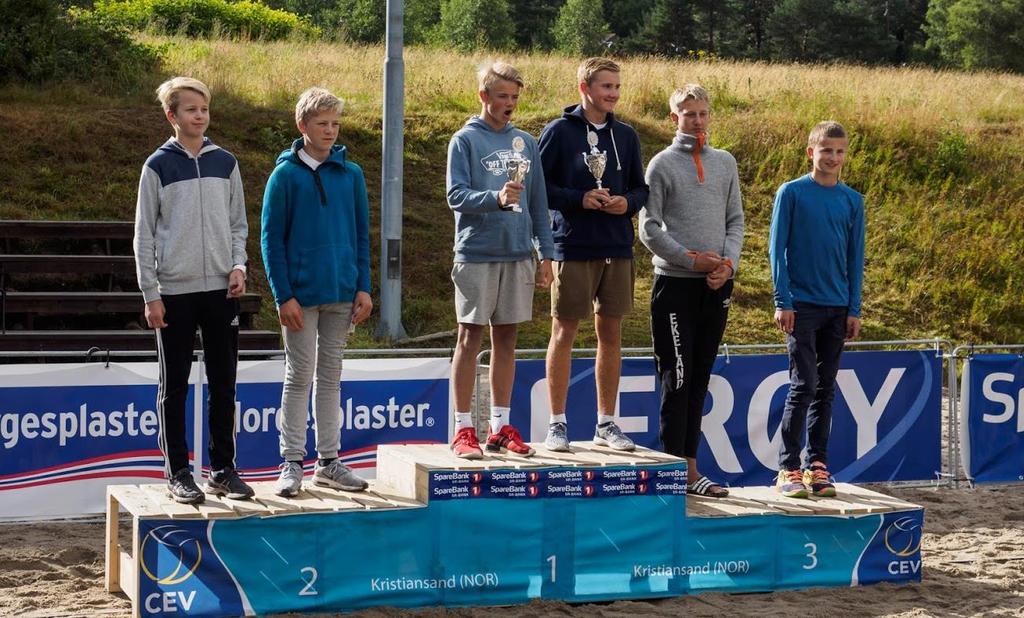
(185, 550)
(903, 537)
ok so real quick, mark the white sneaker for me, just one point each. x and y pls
(611, 436)
(290, 481)
(338, 476)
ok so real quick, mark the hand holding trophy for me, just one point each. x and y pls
(595, 160)
(516, 168)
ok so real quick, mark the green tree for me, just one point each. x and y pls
(626, 17)
(533, 20)
(746, 31)
(823, 30)
(467, 25)
(361, 21)
(978, 34)
(581, 29)
(668, 30)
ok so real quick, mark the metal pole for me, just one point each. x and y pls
(390, 326)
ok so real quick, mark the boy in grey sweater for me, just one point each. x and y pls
(190, 231)
(693, 224)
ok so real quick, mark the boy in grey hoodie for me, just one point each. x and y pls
(501, 219)
(190, 231)
(693, 224)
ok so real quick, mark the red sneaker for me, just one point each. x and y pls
(508, 439)
(465, 444)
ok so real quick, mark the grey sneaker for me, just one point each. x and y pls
(338, 476)
(557, 439)
(611, 436)
(290, 481)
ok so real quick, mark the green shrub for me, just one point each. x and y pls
(198, 18)
(40, 42)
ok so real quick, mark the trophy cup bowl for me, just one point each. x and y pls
(516, 169)
(596, 162)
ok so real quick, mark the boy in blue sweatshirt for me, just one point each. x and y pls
(592, 221)
(190, 231)
(316, 249)
(500, 221)
(816, 250)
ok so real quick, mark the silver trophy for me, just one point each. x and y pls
(595, 160)
(516, 168)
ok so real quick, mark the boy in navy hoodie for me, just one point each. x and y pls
(316, 248)
(500, 221)
(816, 250)
(593, 233)
(190, 231)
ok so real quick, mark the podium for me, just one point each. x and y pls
(434, 530)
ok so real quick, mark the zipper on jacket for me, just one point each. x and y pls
(319, 186)
(202, 213)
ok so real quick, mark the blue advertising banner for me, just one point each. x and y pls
(992, 423)
(67, 431)
(885, 421)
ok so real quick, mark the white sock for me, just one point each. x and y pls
(499, 418)
(603, 418)
(463, 420)
(558, 418)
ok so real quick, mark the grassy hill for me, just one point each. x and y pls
(938, 155)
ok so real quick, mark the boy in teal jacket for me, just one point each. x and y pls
(316, 249)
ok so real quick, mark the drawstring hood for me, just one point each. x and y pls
(693, 145)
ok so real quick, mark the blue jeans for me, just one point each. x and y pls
(814, 349)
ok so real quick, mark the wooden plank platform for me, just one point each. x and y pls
(742, 501)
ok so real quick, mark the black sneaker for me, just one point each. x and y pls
(227, 483)
(183, 488)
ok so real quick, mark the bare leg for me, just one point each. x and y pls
(503, 363)
(464, 364)
(559, 361)
(609, 361)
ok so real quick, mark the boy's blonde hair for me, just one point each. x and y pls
(591, 66)
(498, 71)
(315, 100)
(169, 92)
(824, 130)
(689, 92)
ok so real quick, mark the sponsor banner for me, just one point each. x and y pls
(69, 430)
(577, 482)
(992, 421)
(575, 550)
(383, 401)
(885, 414)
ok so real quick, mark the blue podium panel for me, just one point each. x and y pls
(501, 535)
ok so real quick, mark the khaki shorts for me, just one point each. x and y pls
(582, 287)
(494, 292)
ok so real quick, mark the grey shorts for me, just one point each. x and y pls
(494, 292)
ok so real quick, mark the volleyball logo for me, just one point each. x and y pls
(172, 556)
(903, 537)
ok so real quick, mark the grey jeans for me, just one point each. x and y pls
(313, 356)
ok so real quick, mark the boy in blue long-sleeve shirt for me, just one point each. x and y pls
(316, 249)
(816, 249)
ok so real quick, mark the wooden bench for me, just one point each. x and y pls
(130, 340)
(12, 231)
(70, 303)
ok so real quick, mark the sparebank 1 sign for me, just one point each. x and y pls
(885, 427)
